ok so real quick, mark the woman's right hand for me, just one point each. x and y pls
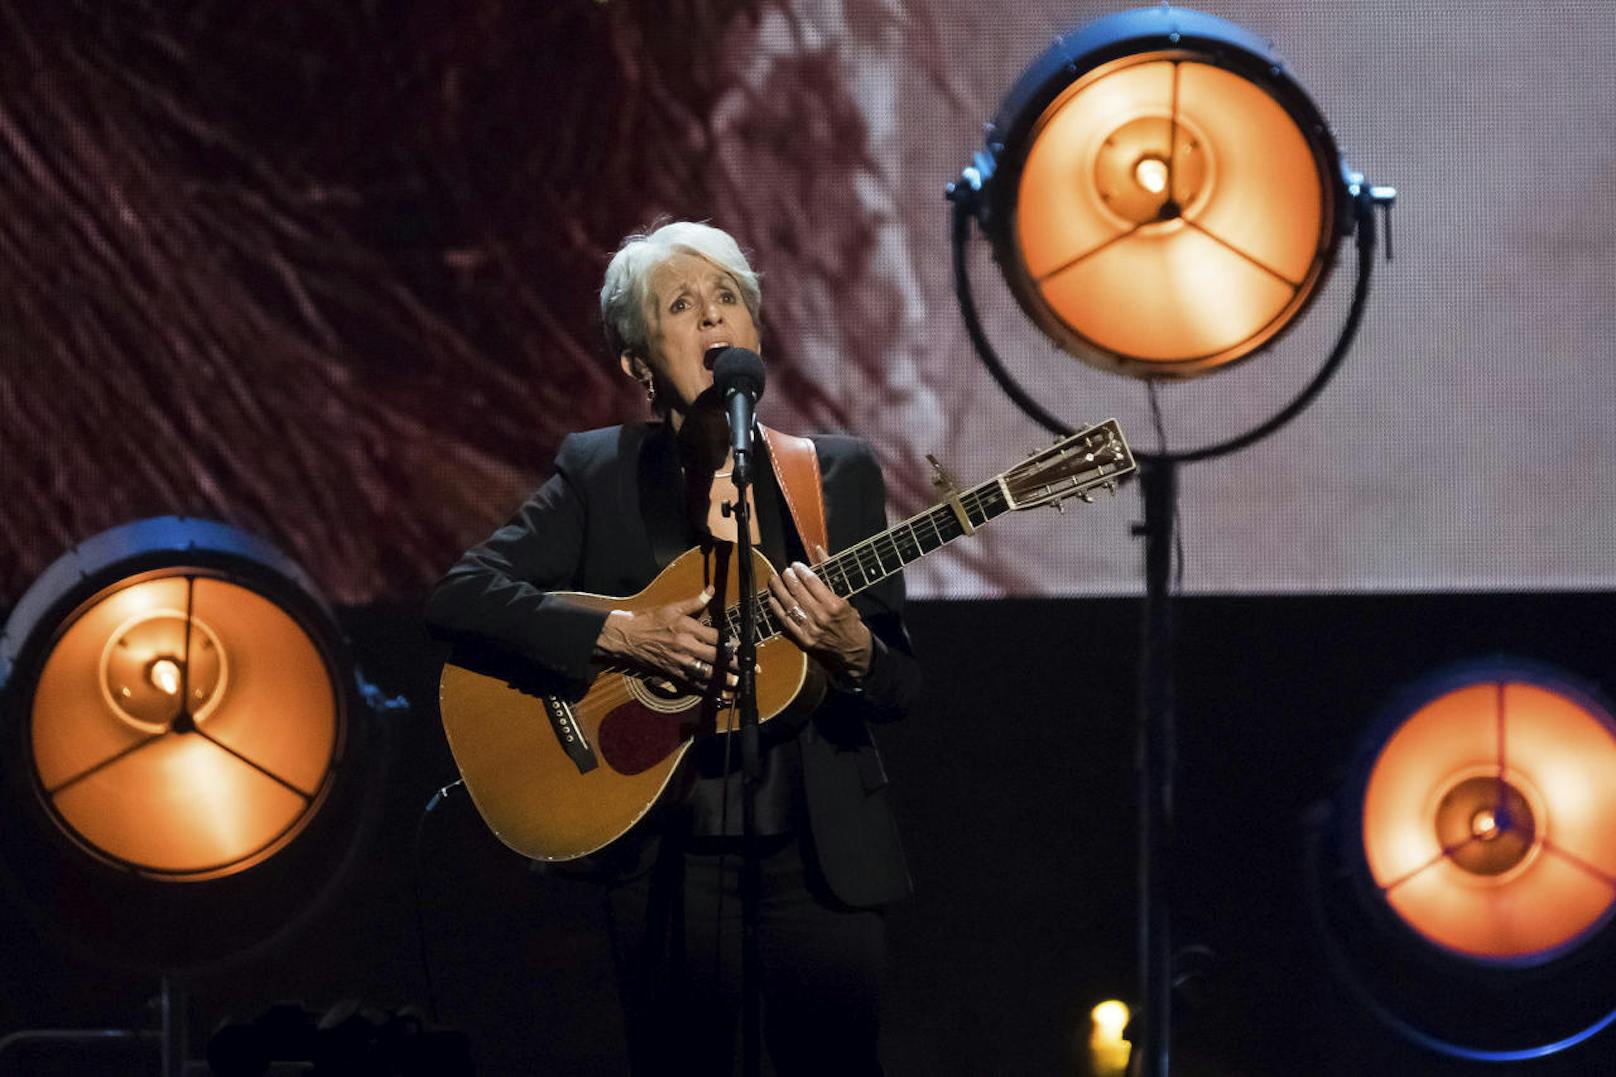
(667, 639)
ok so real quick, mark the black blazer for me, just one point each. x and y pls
(608, 520)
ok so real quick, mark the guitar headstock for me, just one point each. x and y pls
(1094, 458)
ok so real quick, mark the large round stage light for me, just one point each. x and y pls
(1489, 821)
(184, 727)
(1468, 888)
(183, 764)
(1162, 197)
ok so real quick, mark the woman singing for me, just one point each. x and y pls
(623, 502)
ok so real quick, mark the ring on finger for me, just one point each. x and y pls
(798, 614)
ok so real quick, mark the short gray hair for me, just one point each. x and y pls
(622, 296)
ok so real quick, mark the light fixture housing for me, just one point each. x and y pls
(1468, 887)
(1162, 197)
(1489, 819)
(184, 765)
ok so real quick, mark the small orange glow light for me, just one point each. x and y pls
(1151, 174)
(165, 674)
(1489, 821)
(1108, 1051)
(1110, 1018)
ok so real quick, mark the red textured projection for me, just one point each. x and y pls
(328, 272)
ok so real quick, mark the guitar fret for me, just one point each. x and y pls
(911, 550)
(875, 552)
(843, 569)
(861, 555)
(975, 504)
(890, 553)
(835, 576)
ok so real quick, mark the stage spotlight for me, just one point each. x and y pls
(182, 752)
(1489, 821)
(1481, 839)
(1164, 200)
(1162, 197)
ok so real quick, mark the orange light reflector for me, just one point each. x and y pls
(1171, 215)
(1489, 820)
(183, 727)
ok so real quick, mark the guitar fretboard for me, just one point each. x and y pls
(869, 562)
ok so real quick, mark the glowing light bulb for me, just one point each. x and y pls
(165, 674)
(1151, 174)
(1484, 825)
(1110, 1018)
(1108, 1051)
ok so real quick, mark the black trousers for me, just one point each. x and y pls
(676, 939)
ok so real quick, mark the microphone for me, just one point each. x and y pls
(738, 376)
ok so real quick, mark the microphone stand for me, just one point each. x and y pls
(751, 769)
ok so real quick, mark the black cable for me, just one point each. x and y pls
(415, 887)
(1151, 388)
(730, 734)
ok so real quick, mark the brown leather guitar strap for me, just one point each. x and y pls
(796, 467)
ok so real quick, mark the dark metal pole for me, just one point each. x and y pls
(1152, 1040)
(751, 773)
(1158, 474)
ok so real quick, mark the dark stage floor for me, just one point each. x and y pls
(1014, 785)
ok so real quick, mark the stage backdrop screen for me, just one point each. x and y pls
(331, 274)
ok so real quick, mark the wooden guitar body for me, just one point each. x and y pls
(558, 781)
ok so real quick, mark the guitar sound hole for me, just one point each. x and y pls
(663, 688)
(662, 694)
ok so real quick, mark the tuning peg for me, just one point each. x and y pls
(1086, 497)
(1060, 507)
(1111, 487)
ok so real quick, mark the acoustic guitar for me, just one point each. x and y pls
(559, 779)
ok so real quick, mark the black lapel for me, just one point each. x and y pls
(776, 532)
(662, 494)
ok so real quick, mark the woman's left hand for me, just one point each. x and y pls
(819, 620)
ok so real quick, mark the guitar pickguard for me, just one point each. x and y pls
(634, 738)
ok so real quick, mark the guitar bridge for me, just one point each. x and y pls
(570, 734)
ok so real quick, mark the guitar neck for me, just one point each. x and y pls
(869, 562)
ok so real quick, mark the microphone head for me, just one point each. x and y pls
(737, 370)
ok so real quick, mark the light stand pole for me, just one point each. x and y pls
(751, 767)
(1158, 474)
(1158, 485)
